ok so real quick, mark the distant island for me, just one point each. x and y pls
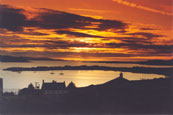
(146, 70)
(5, 58)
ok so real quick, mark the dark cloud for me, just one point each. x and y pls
(59, 20)
(159, 49)
(141, 44)
(147, 29)
(128, 41)
(111, 24)
(140, 48)
(12, 39)
(14, 19)
(11, 18)
(77, 34)
(36, 33)
(65, 44)
(135, 40)
(9, 42)
(147, 35)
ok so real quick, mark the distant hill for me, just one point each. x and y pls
(157, 62)
(148, 62)
(5, 58)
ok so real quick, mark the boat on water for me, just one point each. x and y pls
(61, 73)
(51, 73)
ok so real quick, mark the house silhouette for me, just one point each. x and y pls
(118, 82)
(54, 88)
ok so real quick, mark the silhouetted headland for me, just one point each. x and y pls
(148, 70)
(118, 96)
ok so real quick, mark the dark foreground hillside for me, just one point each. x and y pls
(116, 96)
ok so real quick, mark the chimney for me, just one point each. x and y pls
(53, 81)
(121, 75)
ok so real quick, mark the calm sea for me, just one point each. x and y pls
(14, 80)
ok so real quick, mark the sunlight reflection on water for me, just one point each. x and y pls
(14, 80)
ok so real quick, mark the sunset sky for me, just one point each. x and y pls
(95, 30)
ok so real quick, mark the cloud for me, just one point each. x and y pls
(90, 10)
(62, 20)
(76, 34)
(111, 24)
(36, 33)
(65, 44)
(58, 34)
(141, 46)
(147, 29)
(14, 19)
(131, 4)
(11, 18)
(146, 34)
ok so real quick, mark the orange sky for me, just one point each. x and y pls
(117, 30)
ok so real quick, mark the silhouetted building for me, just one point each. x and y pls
(71, 86)
(30, 90)
(8, 94)
(118, 82)
(1, 86)
(54, 88)
(30, 86)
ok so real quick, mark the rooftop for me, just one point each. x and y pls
(53, 85)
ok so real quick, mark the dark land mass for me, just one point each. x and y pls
(148, 62)
(4, 58)
(146, 70)
(118, 96)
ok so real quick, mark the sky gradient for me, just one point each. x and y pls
(95, 30)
